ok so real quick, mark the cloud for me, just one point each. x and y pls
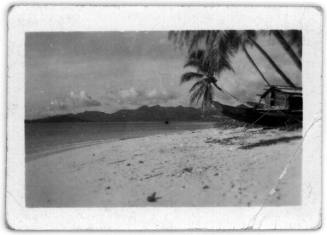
(57, 104)
(137, 97)
(129, 94)
(82, 99)
(158, 96)
(72, 101)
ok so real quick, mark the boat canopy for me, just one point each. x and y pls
(283, 89)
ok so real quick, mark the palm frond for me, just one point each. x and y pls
(189, 76)
(197, 94)
(294, 37)
(223, 65)
(180, 38)
(196, 39)
(197, 84)
(202, 90)
(193, 63)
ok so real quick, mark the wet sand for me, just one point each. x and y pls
(209, 167)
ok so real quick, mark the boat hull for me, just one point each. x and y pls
(260, 116)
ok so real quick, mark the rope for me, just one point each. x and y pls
(226, 92)
(251, 124)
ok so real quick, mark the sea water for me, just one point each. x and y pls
(42, 139)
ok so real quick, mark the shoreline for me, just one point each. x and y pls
(187, 168)
(47, 153)
(67, 147)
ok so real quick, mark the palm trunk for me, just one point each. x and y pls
(279, 71)
(254, 64)
(288, 48)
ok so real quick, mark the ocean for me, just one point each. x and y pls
(43, 139)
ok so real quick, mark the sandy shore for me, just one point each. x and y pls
(209, 167)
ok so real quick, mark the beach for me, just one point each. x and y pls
(207, 167)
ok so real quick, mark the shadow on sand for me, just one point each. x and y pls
(271, 142)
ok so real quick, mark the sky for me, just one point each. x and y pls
(71, 72)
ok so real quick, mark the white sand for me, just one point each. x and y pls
(191, 168)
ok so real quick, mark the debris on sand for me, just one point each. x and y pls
(188, 169)
(108, 187)
(151, 176)
(152, 197)
(141, 162)
(114, 162)
(205, 187)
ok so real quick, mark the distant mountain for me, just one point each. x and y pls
(144, 113)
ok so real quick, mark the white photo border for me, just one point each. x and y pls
(37, 18)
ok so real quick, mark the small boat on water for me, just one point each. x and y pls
(278, 106)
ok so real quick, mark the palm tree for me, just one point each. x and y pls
(204, 77)
(296, 38)
(223, 44)
(272, 62)
(254, 64)
(239, 39)
(207, 67)
(209, 53)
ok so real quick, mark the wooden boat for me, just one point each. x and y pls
(260, 116)
(278, 106)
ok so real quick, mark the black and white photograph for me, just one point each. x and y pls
(170, 118)
(180, 118)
